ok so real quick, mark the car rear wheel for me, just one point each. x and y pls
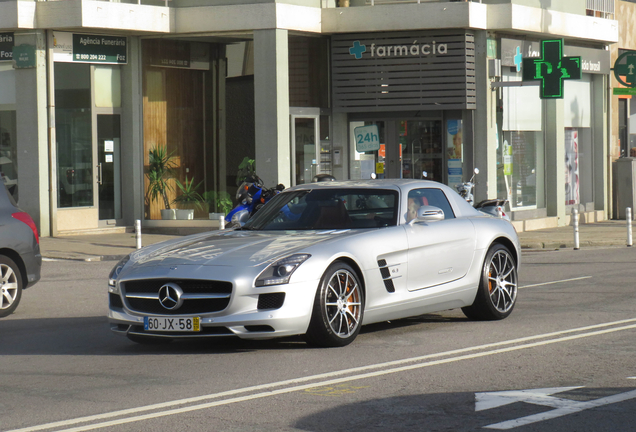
(10, 286)
(338, 308)
(497, 292)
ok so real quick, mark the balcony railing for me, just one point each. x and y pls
(600, 8)
(380, 2)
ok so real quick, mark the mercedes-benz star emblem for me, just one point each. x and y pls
(170, 296)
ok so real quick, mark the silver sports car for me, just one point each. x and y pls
(320, 260)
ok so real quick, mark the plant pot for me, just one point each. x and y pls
(168, 214)
(186, 214)
(216, 216)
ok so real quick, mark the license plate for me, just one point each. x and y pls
(172, 324)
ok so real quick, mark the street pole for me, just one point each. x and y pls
(628, 216)
(138, 233)
(575, 220)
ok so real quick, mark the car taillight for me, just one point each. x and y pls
(24, 217)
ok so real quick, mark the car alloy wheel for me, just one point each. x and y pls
(10, 286)
(497, 292)
(502, 281)
(342, 303)
(338, 308)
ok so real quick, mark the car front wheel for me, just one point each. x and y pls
(10, 286)
(497, 292)
(338, 308)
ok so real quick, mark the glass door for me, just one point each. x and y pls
(421, 146)
(108, 167)
(107, 143)
(305, 151)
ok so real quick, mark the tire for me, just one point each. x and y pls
(497, 292)
(10, 286)
(338, 308)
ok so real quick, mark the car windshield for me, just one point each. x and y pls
(327, 209)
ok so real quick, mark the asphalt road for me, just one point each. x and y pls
(565, 360)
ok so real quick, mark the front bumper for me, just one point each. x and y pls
(244, 316)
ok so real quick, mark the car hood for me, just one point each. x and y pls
(232, 248)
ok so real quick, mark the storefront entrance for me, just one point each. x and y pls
(410, 149)
(87, 124)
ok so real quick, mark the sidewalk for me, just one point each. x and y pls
(112, 247)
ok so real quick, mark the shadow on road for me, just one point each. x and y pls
(457, 412)
(92, 336)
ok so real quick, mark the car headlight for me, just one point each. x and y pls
(114, 274)
(278, 273)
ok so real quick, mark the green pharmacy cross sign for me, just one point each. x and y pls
(625, 73)
(551, 69)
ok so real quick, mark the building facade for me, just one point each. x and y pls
(102, 104)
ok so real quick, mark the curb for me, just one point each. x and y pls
(569, 245)
(88, 258)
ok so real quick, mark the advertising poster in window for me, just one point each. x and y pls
(454, 144)
(571, 166)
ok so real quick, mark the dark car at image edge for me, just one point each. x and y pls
(20, 257)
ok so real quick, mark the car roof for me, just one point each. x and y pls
(459, 204)
(371, 184)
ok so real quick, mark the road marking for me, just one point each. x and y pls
(555, 282)
(562, 407)
(490, 400)
(338, 390)
(295, 385)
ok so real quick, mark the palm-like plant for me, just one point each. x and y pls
(161, 167)
(189, 194)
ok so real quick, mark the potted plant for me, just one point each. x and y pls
(188, 198)
(218, 200)
(161, 167)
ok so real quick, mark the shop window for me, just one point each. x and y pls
(8, 143)
(520, 146)
(180, 81)
(631, 138)
(107, 87)
(73, 127)
(364, 164)
(517, 167)
(577, 119)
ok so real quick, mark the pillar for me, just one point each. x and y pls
(32, 131)
(271, 106)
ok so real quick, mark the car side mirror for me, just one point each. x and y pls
(428, 214)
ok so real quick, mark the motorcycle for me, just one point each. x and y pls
(251, 196)
(493, 207)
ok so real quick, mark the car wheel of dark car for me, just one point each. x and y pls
(497, 292)
(338, 308)
(10, 286)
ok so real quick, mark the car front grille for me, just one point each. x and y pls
(197, 296)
